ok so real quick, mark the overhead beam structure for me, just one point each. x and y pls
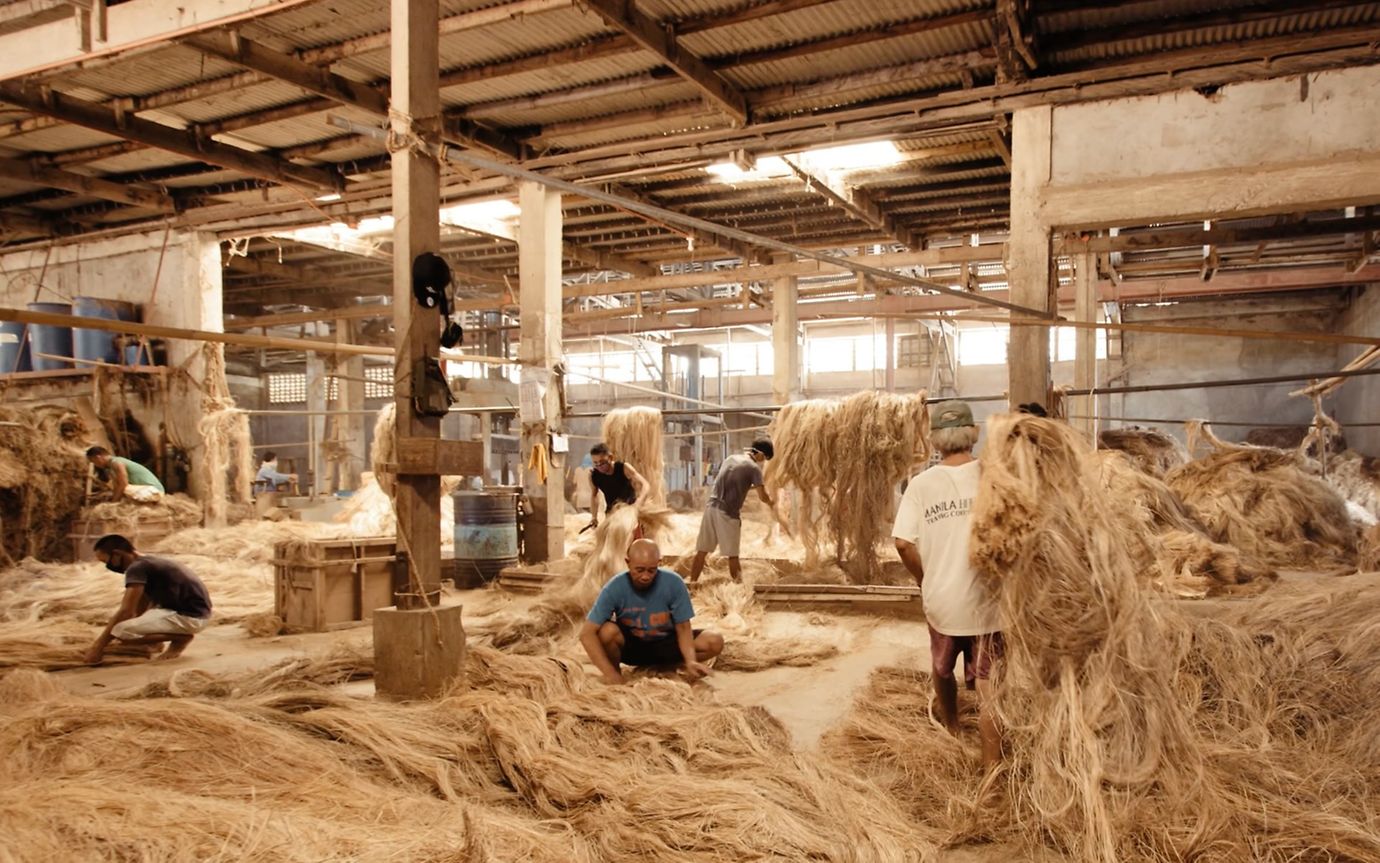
(660, 39)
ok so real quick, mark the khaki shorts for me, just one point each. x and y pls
(158, 621)
(719, 530)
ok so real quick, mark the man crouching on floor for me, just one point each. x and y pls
(163, 601)
(642, 617)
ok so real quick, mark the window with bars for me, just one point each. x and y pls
(288, 388)
(912, 351)
(378, 382)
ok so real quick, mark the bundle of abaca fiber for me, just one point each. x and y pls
(852, 453)
(1263, 502)
(225, 442)
(41, 488)
(1154, 452)
(635, 435)
(530, 760)
(384, 450)
(1138, 732)
(124, 516)
(1167, 544)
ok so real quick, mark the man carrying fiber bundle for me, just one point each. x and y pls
(721, 526)
(642, 618)
(931, 532)
(619, 483)
(163, 601)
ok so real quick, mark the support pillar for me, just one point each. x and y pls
(418, 650)
(352, 399)
(785, 338)
(1028, 255)
(539, 349)
(1085, 343)
(891, 355)
(316, 424)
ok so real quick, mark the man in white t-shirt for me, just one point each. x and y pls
(931, 533)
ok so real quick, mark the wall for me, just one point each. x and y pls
(1358, 400)
(174, 276)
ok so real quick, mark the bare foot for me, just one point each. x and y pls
(168, 653)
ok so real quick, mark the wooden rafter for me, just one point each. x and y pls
(91, 115)
(661, 40)
(96, 187)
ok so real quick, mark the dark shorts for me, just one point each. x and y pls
(979, 654)
(663, 651)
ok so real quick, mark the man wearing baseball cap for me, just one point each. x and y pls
(931, 533)
(721, 526)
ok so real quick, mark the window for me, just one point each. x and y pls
(1063, 342)
(982, 346)
(912, 351)
(288, 388)
(378, 382)
(830, 355)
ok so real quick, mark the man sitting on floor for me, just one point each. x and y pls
(642, 618)
(163, 601)
(128, 478)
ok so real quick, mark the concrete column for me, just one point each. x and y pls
(785, 338)
(1085, 342)
(316, 423)
(1028, 255)
(539, 271)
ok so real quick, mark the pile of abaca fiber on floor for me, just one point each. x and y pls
(41, 485)
(1154, 452)
(635, 436)
(530, 760)
(1136, 730)
(369, 511)
(850, 454)
(1170, 548)
(1265, 503)
(126, 516)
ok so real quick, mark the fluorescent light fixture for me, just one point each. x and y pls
(495, 218)
(325, 199)
(852, 157)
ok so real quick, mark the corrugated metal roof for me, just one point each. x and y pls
(665, 126)
(149, 72)
(677, 91)
(138, 160)
(58, 139)
(242, 100)
(904, 87)
(551, 79)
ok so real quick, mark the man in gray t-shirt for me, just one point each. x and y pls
(721, 526)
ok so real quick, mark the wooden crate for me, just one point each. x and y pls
(530, 579)
(332, 583)
(145, 534)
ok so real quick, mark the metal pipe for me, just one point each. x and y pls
(1259, 425)
(448, 153)
(1204, 385)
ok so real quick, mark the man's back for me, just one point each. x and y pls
(137, 473)
(168, 584)
(936, 515)
(738, 474)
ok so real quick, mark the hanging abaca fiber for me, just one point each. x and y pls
(1154, 452)
(384, 450)
(635, 435)
(850, 454)
(529, 760)
(1263, 502)
(225, 442)
(1139, 732)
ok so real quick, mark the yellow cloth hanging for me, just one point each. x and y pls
(539, 461)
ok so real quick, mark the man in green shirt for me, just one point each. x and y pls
(127, 478)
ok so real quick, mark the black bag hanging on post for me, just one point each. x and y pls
(430, 279)
(431, 396)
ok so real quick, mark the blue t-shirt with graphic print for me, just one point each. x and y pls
(649, 616)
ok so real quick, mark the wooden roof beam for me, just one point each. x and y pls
(91, 115)
(857, 202)
(661, 40)
(96, 187)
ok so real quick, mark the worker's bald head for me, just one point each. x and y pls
(643, 559)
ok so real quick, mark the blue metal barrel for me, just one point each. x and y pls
(99, 345)
(52, 340)
(486, 537)
(14, 348)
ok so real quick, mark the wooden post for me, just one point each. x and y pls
(1028, 255)
(1085, 341)
(352, 390)
(418, 650)
(316, 425)
(539, 272)
(785, 338)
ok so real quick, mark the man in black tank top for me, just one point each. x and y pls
(618, 481)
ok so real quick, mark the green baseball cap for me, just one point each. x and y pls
(951, 414)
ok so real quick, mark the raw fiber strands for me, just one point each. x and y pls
(853, 453)
(1261, 501)
(384, 450)
(1154, 452)
(529, 760)
(41, 485)
(1170, 549)
(225, 442)
(125, 516)
(634, 435)
(1136, 731)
